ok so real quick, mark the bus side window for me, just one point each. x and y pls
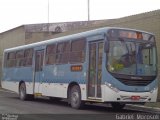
(5, 65)
(59, 53)
(77, 53)
(50, 54)
(28, 55)
(65, 52)
(11, 59)
(20, 58)
(62, 53)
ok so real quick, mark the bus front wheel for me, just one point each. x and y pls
(75, 97)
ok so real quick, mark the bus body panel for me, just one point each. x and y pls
(10, 85)
(53, 80)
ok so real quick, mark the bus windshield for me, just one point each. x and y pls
(132, 57)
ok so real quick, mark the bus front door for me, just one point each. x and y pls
(95, 70)
(38, 77)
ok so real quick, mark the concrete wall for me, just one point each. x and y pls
(11, 38)
(31, 37)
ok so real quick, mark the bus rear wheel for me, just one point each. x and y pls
(22, 93)
(75, 97)
(117, 105)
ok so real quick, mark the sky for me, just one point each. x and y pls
(14, 13)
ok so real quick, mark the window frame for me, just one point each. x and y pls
(19, 59)
(61, 54)
(48, 55)
(28, 57)
(10, 59)
(76, 52)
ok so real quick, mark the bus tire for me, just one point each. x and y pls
(22, 92)
(117, 105)
(75, 97)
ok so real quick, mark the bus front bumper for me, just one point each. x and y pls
(113, 95)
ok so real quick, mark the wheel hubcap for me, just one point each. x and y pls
(22, 92)
(75, 98)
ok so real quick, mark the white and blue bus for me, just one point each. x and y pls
(107, 65)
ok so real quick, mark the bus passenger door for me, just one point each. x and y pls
(38, 77)
(95, 69)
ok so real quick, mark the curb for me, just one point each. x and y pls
(144, 108)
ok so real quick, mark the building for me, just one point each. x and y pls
(25, 34)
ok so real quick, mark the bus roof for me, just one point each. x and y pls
(70, 37)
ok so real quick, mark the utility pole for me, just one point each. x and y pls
(48, 15)
(88, 10)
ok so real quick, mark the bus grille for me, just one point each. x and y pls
(134, 82)
(131, 80)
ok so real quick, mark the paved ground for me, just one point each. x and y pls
(10, 103)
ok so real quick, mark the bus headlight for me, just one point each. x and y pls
(153, 90)
(112, 87)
